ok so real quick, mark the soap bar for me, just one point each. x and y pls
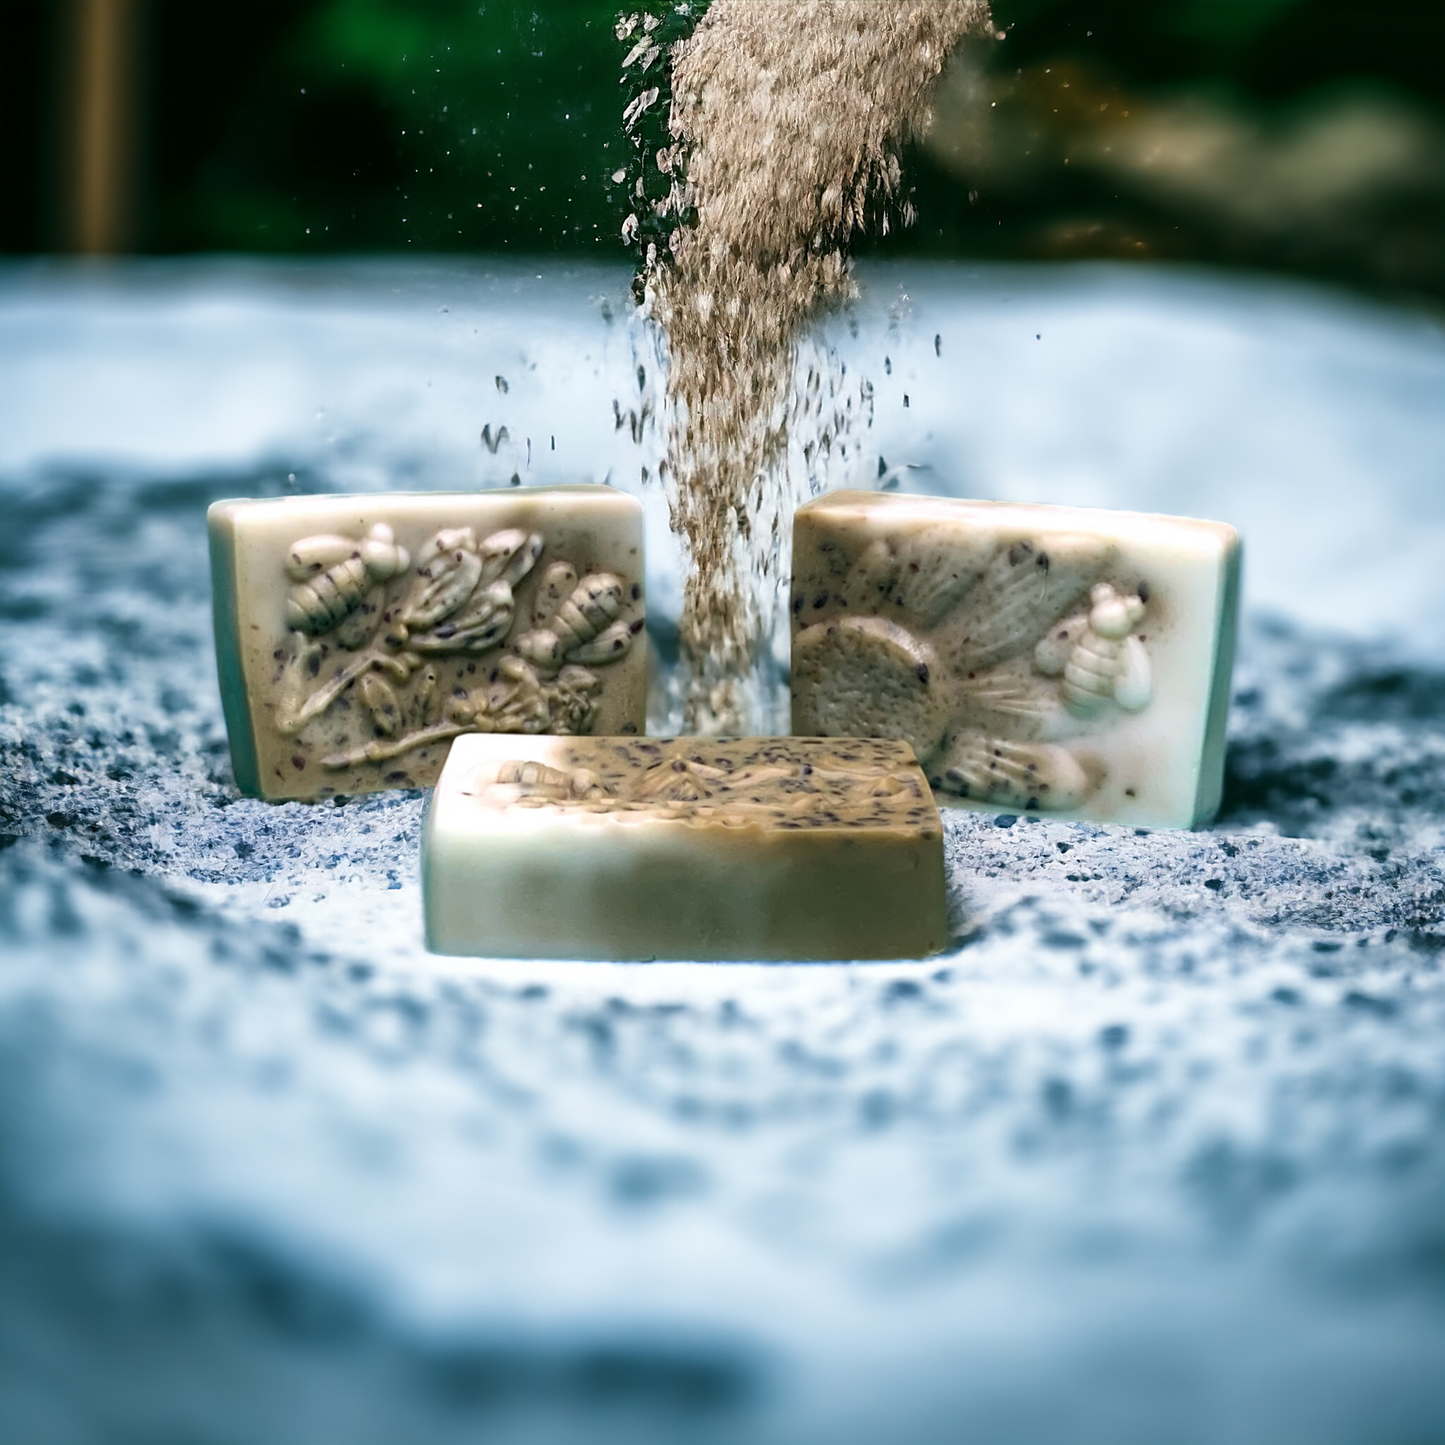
(686, 848)
(1063, 660)
(356, 636)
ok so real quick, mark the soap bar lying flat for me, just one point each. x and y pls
(356, 636)
(691, 848)
(1061, 659)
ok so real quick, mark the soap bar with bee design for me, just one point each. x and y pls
(356, 636)
(683, 848)
(1058, 660)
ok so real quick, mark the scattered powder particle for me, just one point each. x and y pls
(786, 122)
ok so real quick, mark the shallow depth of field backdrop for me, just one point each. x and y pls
(1155, 1152)
(1297, 135)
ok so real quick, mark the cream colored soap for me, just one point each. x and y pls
(1062, 660)
(685, 848)
(357, 636)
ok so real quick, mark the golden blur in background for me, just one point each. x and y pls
(104, 52)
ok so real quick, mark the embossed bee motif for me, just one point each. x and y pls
(584, 628)
(527, 782)
(334, 575)
(459, 603)
(1098, 657)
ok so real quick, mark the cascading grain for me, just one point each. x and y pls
(786, 122)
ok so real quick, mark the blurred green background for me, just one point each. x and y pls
(1303, 135)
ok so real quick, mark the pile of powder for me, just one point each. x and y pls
(786, 122)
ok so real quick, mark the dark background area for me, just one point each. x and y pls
(1303, 135)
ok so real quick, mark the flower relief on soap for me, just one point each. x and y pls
(994, 663)
(371, 625)
(783, 784)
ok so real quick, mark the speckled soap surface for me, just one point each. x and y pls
(1061, 660)
(692, 848)
(356, 636)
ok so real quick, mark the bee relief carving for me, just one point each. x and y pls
(996, 664)
(396, 636)
(1098, 657)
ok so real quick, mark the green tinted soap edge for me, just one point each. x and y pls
(1211, 771)
(230, 674)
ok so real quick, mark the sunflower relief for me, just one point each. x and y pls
(993, 657)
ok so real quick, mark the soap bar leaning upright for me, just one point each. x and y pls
(683, 848)
(356, 636)
(1063, 660)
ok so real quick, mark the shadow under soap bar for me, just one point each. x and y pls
(1063, 660)
(684, 848)
(356, 636)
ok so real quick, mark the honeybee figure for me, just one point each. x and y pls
(581, 628)
(533, 784)
(1098, 657)
(334, 575)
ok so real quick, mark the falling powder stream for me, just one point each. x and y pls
(786, 122)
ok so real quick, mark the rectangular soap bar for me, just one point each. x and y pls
(1060, 659)
(685, 848)
(356, 636)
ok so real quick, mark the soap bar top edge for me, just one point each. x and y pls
(230, 507)
(476, 753)
(850, 502)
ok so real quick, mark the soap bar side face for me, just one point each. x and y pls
(235, 704)
(1211, 774)
(358, 635)
(1062, 660)
(683, 848)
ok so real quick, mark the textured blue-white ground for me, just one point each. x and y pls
(1155, 1154)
